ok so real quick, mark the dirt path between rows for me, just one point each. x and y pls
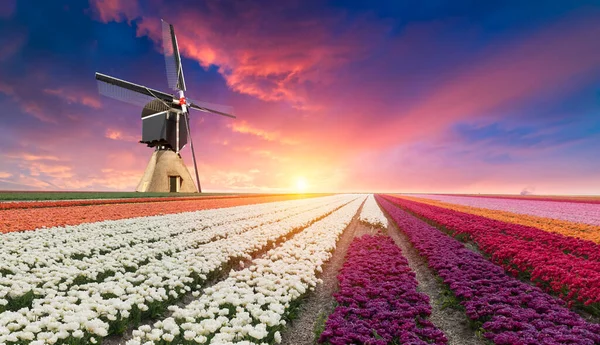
(320, 303)
(452, 322)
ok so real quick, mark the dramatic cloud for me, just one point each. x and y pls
(360, 96)
(116, 10)
(277, 60)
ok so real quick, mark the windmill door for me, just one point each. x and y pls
(174, 184)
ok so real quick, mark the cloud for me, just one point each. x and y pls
(115, 10)
(244, 127)
(36, 110)
(75, 97)
(115, 134)
(33, 157)
(8, 8)
(61, 172)
(32, 106)
(12, 45)
(6, 89)
(548, 62)
(297, 54)
(4, 174)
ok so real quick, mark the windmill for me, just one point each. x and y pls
(165, 121)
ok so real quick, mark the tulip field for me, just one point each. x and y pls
(413, 269)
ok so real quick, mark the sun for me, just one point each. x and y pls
(301, 185)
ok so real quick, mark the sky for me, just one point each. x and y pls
(438, 96)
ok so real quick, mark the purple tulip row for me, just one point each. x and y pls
(378, 302)
(508, 310)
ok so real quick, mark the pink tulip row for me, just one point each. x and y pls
(527, 252)
(575, 199)
(570, 211)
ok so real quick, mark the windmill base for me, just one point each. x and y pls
(166, 173)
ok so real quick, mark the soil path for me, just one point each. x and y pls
(320, 303)
(452, 322)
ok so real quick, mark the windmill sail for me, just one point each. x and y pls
(172, 58)
(131, 93)
(218, 109)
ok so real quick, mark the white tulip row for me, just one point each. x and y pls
(67, 272)
(54, 244)
(84, 313)
(251, 305)
(372, 214)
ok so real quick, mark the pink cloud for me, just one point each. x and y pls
(36, 110)
(76, 97)
(552, 60)
(115, 10)
(279, 68)
(116, 134)
(244, 127)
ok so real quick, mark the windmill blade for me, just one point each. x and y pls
(218, 109)
(172, 57)
(131, 93)
(187, 120)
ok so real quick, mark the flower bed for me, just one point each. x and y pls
(578, 230)
(94, 252)
(563, 198)
(378, 302)
(93, 310)
(573, 212)
(371, 214)
(30, 219)
(252, 305)
(565, 266)
(507, 310)
(8, 205)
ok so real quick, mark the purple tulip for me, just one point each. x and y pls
(377, 301)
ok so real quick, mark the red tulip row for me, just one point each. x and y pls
(530, 253)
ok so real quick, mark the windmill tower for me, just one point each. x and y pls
(165, 121)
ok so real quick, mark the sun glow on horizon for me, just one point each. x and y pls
(301, 185)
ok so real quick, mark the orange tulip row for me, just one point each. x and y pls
(34, 218)
(577, 230)
(86, 202)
